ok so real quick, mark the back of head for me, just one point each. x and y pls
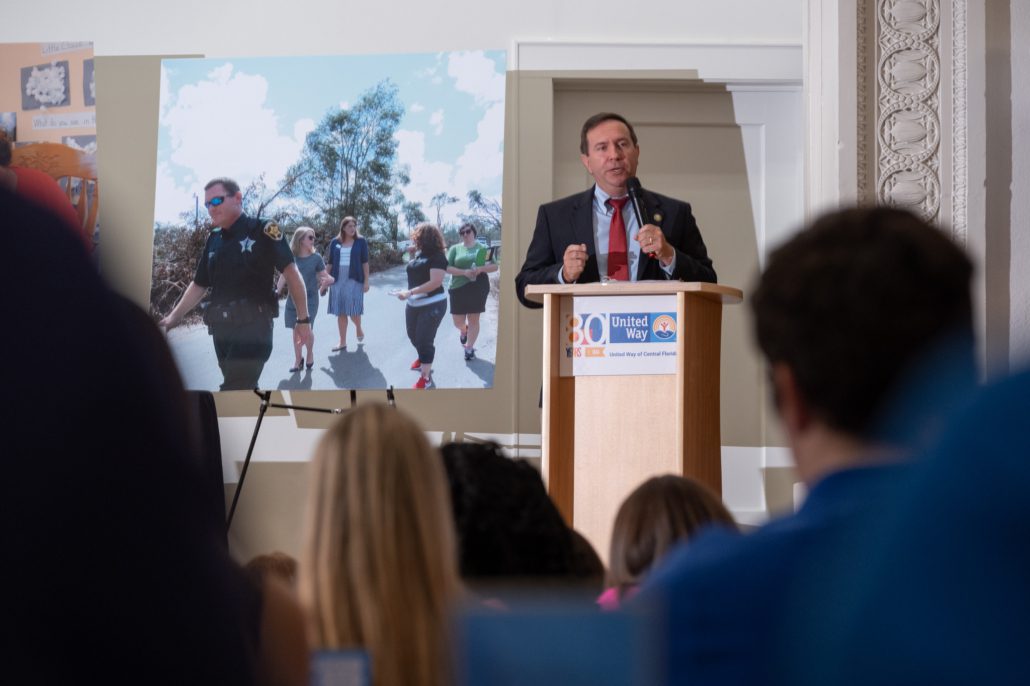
(658, 514)
(508, 527)
(106, 540)
(851, 303)
(377, 570)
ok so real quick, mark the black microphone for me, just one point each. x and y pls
(636, 199)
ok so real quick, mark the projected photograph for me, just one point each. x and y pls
(379, 175)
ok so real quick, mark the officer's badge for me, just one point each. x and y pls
(657, 218)
(273, 232)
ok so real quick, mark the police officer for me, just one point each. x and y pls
(238, 265)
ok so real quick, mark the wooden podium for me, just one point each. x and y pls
(604, 435)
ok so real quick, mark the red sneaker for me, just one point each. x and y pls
(423, 382)
(416, 365)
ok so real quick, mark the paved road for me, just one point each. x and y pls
(381, 361)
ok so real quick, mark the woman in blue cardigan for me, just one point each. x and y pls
(348, 264)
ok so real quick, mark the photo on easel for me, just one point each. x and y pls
(377, 177)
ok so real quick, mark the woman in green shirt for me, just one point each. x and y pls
(468, 263)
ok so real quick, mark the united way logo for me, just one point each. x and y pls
(664, 327)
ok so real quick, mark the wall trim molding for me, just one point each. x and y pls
(721, 62)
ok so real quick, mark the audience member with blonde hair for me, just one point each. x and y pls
(661, 513)
(378, 570)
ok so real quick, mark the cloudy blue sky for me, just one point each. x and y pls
(242, 117)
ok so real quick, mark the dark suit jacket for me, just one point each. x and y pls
(570, 220)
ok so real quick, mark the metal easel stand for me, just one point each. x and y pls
(266, 397)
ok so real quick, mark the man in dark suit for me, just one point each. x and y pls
(583, 237)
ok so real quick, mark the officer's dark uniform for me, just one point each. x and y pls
(238, 265)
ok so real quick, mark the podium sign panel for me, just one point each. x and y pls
(617, 409)
(618, 335)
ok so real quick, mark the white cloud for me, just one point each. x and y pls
(479, 166)
(222, 126)
(416, 107)
(427, 178)
(436, 121)
(480, 163)
(483, 158)
(477, 75)
(171, 200)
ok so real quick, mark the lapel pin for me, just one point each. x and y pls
(657, 217)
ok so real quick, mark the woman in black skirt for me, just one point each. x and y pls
(468, 263)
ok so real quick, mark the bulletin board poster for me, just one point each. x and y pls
(48, 95)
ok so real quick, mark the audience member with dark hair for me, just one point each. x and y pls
(378, 570)
(113, 568)
(845, 313)
(509, 530)
(660, 513)
(587, 566)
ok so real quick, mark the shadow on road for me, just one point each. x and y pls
(483, 369)
(297, 381)
(349, 370)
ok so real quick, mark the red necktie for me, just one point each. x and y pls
(618, 264)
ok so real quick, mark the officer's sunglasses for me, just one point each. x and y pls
(215, 201)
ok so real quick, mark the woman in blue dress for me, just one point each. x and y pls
(348, 265)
